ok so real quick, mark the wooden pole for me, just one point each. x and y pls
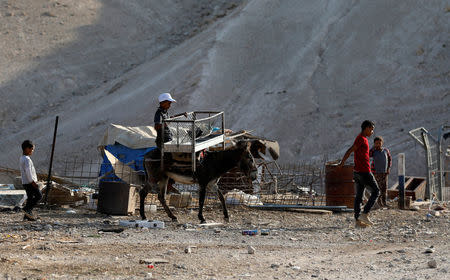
(47, 190)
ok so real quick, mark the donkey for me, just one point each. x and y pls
(207, 174)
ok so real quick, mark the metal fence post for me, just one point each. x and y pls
(401, 181)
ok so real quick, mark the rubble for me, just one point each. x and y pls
(432, 264)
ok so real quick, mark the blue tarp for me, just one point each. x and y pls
(124, 155)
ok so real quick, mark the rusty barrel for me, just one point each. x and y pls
(339, 185)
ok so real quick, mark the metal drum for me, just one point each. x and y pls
(339, 185)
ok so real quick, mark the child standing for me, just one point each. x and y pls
(29, 180)
(381, 166)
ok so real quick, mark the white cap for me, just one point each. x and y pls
(166, 97)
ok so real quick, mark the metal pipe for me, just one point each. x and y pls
(193, 147)
(401, 181)
(51, 162)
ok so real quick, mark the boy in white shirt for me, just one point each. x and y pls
(29, 180)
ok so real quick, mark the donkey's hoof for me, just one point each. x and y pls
(227, 219)
(175, 220)
(203, 221)
(144, 217)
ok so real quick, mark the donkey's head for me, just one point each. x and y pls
(247, 162)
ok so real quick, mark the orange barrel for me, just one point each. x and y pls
(339, 185)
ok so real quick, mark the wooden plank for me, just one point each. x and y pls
(288, 207)
(313, 211)
(210, 225)
(12, 192)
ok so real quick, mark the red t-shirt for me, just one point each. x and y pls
(362, 159)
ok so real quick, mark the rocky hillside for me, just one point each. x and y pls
(306, 73)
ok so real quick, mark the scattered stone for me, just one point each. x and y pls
(429, 251)
(48, 227)
(48, 14)
(182, 266)
(170, 253)
(45, 247)
(293, 239)
(153, 261)
(401, 251)
(113, 229)
(436, 213)
(250, 250)
(414, 208)
(188, 250)
(296, 268)
(274, 266)
(432, 264)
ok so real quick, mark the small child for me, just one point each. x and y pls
(381, 167)
(29, 180)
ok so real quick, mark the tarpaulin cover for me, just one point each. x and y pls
(134, 137)
(133, 158)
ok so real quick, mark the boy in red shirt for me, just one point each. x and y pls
(362, 174)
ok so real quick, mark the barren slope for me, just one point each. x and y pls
(303, 72)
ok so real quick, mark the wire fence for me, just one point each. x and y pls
(289, 184)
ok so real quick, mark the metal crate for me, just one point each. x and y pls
(193, 132)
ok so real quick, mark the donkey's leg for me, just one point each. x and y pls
(162, 197)
(142, 195)
(201, 202)
(224, 206)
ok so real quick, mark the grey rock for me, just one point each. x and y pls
(48, 14)
(180, 266)
(432, 264)
(429, 251)
(250, 250)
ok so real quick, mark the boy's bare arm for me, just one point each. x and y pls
(347, 154)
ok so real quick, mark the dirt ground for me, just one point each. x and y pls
(299, 246)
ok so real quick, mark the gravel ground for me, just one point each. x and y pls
(299, 246)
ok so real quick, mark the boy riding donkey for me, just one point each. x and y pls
(162, 113)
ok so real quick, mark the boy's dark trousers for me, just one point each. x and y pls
(34, 195)
(363, 180)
